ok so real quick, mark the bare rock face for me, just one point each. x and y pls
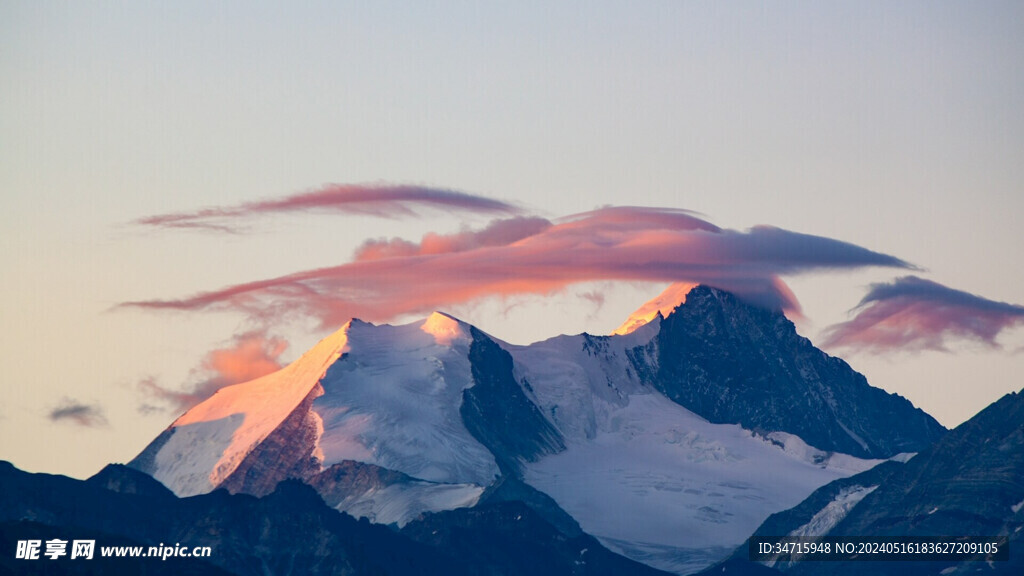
(735, 363)
(498, 413)
(348, 478)
(288, 452)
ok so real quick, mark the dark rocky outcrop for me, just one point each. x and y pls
(288, 452)
(498, 413)
(349, 478)
(736, 363)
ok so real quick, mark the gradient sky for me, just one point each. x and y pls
(897, 128)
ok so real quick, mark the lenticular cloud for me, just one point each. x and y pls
(389, 278)
(914, 314)
(385, 201)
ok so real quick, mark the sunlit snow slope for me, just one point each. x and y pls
(207, 443)
(388, 396)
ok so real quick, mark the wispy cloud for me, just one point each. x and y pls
(594, 297)
(519, 255)
(75, 412)
(381, 200)
(247, 357)
(914, 314)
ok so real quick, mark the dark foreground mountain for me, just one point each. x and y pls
(11, 532)
(289, 531)
(970, 483)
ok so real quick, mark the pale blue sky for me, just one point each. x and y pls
(895, 127)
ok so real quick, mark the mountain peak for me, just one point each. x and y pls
(656, 308)
(704, 295)
(736, 362)
(663, 305)
(445, 328)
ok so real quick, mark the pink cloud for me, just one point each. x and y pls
(912, 314)
(247, 357)
(497, 233)
(386, 201)
(391, 278)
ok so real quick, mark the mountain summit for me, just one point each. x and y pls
(735, 363)
(669, 443)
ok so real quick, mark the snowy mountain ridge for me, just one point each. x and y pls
(390, 422)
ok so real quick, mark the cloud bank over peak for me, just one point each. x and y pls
(520, 255)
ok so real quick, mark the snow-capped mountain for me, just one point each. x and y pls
(670, 442)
